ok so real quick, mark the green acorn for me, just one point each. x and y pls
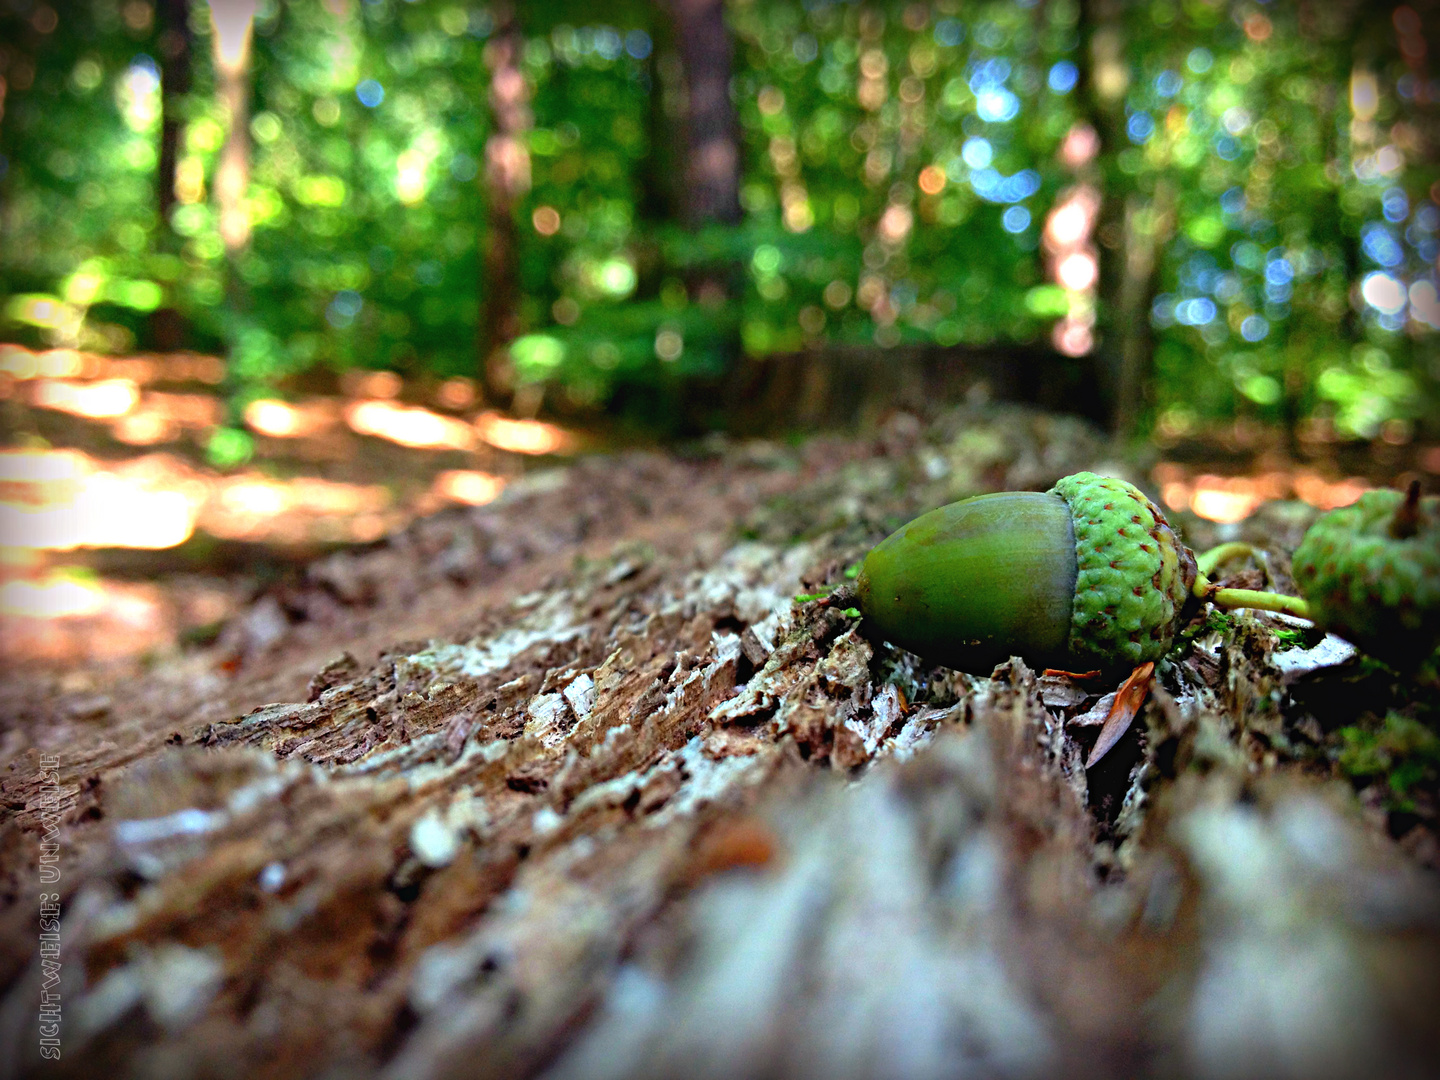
(1086, 575)
(1371, 574)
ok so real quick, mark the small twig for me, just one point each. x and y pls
(1077, 676)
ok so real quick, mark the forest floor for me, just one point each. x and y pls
(569, 784)
(121, 540)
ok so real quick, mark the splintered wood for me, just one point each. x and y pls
(644, 815)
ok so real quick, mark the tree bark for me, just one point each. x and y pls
(175, 45)
(589, 794)
(711, 177)
(712, 165)
(234, 24)
(1122, 307)
(168, 330)
(506, 180)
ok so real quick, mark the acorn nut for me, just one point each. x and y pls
(1370, 572)
(1086, 575)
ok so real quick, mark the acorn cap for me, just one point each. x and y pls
(1370, 572)
(1134, 575)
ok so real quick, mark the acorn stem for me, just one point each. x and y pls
(1259, 601)
(1208, 561)
(1406, 522)
(1230, 599)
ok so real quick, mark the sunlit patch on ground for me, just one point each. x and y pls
(284, 420)
(409, 425)
(63, 499)
(524, 436)
(468, 486)
(57, 503)
(1228, 499)
(254, 507)
(20, 364)
(52, 597)
(96, 400)
(65, 615)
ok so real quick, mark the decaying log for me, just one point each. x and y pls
(636, 812)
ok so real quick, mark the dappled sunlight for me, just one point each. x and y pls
(23, 365)
(1223, 504)
(371, 384)
(1325, 495)
(409, 425)
(57, 616)
(524, 436)
(163, 417)
(63, 500)
(468, 486)
(58, 503)
(53, 598)
(96, 400)
(283, 420)
(139, 418)
(1228, 499)
(255, 507)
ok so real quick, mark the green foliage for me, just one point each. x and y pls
(229, 448)
(886, 148)
(368, 134)
(1400, 751)
(79, 139)
(1289, 639)
(898, 164)
(1298, 203)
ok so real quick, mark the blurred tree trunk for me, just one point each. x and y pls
(506, 179)
(234, 22)
(1351, 45)
(176, 41)
(711, 171)
(663, 190)
(1149, 221)
(1132, 224)
(712, 164)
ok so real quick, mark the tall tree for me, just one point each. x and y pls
(175, 42)
(506, 180)
(712, 167)
(1130, 225)
(234, 22)
(711, 161)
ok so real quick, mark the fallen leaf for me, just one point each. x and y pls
(1128, 700)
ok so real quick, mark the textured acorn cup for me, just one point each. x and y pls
(1086, 575)
(1370, 573)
